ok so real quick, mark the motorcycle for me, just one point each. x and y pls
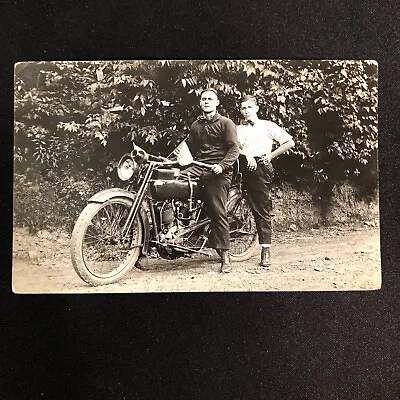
(118, 228)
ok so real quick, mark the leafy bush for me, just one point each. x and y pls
(43, 204)
(66, 115)
(75, 116)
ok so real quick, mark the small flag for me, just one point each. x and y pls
(183, 154)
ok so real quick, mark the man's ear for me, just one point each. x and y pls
(257, 108)
(217, 102)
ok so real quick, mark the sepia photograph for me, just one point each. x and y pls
(143, 176)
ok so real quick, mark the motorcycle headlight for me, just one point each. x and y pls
(127, 167)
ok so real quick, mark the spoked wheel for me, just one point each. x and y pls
(101, 253)
(242, 227)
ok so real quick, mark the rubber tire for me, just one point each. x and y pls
(77, 240)
(254, 245)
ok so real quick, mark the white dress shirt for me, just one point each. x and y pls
(257, 140)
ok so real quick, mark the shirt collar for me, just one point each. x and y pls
(249, 123)
(245, 122)
(202, 117)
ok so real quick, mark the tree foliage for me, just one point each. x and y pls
(71, 116)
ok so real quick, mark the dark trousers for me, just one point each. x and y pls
(257, 184)
(214, 192)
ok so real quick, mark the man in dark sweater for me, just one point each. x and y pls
(213, 140)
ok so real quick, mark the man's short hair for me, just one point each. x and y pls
(249, 97)
(209, 90)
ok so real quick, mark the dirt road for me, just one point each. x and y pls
(322, 259)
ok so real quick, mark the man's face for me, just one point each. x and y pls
(249, 110)
(209, 102)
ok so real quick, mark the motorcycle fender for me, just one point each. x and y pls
(107, 194)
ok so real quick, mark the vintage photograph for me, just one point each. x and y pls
(195, 176)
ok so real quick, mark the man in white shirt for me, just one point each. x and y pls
(256, 139)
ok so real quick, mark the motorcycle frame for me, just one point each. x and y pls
(141, 194)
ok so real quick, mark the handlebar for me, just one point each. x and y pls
(201, 164)
(141, 156)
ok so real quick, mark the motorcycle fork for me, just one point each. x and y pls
(137, 202)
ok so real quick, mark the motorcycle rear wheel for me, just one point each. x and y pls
(242, 227)
(100, 255)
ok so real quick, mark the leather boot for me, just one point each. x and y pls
(226, 266)
(265, 257)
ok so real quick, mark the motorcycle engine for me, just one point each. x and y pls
(168, 223)
(174, 217)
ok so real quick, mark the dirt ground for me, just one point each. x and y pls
(339, 258)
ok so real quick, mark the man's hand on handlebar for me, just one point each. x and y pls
(216, 168)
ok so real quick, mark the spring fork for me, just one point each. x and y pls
(114, 221)
(136, 204)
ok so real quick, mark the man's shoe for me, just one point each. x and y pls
(265, 257)
(226, 266)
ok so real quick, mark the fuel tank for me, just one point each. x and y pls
(162, 189)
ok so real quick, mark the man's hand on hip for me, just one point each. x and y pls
(251, 163)
(266, 158)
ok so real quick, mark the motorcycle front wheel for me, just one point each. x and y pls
(242, 227)
(100, 253)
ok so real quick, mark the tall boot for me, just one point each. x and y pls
(265, 257)
(226, 266)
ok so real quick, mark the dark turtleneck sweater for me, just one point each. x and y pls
(214, 141)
